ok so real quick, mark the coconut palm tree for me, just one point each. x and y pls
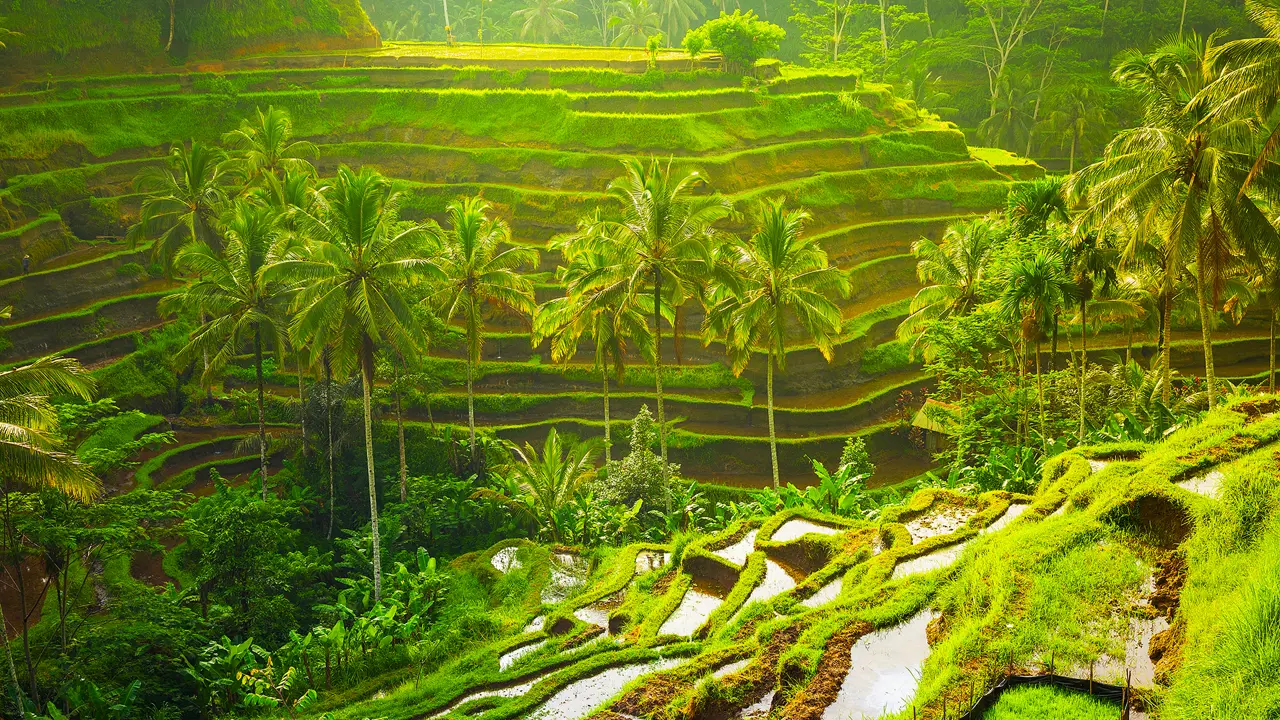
(353, 290)
(479, 266)
(1246, 72)
(952, 273)
(264, 145)
(30, 455)
(183, 200)
(234, 291)
(662, 248)
(679, 15)
(601, 312)
(542, 484)
(773, 278)
(635, 20)
(1183, 175)
(544, 19)
(1035, 287)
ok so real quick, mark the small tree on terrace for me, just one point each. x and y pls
(742, 38)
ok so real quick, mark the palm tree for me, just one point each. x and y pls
(1246, 81)
(545, 483)
(662, 248)
(234, 291)
(774, 277)
(1077, 115)
(183, 200)
(599, 311)
(1035, 287)
(265, 146)
(1184, 176)
(679, 15)
(30, 456)
(353, 287)
(952, 273)
(1092, 262)
(477, 270)
(635, 20)
(544, 18)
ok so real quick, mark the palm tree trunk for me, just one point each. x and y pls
(928, 19)
(1044, 434)
(1206, 334)
(773, 438)
(471, 408)
(608, 443)
(366, 377)
(1271, 367)
(13, 672)
(657, 379)
(169, 45)
(404, 470)
(1167, 391)
(1053, 348)
(1084, 357)
(328, 409)
(302, 406)
(1128, 347)
(262, 422)
(1106, 5)
(1182, 21)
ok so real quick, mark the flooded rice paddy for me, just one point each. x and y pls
(505, 560)
(578, 699)
(796, 529)
(884, 673)
(1207, 484)
(737, 553)
(649, 560)
(694, 610)
(926, 563)
(1013, 513)
(776, 581)
(942, 521)
(828, 593)
(510, 658)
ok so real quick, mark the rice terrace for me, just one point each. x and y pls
(639, 359)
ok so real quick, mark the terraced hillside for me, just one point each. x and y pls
(1106, 572)
(540, 140)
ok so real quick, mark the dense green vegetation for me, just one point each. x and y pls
(708, 374)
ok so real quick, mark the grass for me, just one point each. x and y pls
(547, 53)
(119, 430)
(1045, 702)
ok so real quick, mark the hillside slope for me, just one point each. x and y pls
(124, 35)
(1117, 566)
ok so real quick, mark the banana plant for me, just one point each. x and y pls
(265, 690)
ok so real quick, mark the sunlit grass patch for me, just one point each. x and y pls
(1045, 701)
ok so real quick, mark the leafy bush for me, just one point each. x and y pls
(638, 476)
(742, 38)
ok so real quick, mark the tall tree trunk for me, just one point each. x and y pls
(471, 408)
(928, 19)
(657, 379)
(328, 410)
(169, 45)
(366, 378)
(302, 405)
(1044, 433)
(1106, 5)
(1271, 366)
(14, 687)
(1206, 334)
(773, 438)
(262, 422)
(404, 469)
(1182, 20)
(1053, 346)
(1084, 357)
(1073, 151)
(608, 442)
(1166, 392)
(1128, 346)
(884, 34)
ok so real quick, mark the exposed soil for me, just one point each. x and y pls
(1164, 523)
(581, 638)
(1255, 410)
(1165, 648)
(1232, 447)
(832, 671)
(711, 577)
(756, 680)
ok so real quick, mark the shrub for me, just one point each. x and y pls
(638, 476)
(742, 39)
